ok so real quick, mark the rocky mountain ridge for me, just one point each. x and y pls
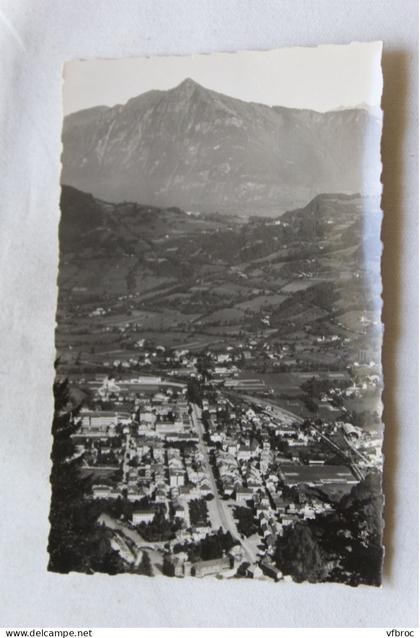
(204, 151)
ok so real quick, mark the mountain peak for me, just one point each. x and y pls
(195, 148)
(187, 87)
(188, 83)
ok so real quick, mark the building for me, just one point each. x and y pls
(176, 478)
(243, 495)
(316, 475)
(210, 567)
(104, 491)
(244, 453)
(271, 570)
(168, 427)
(148, 380)
(142, 516)
(100, 420)
(179, 512)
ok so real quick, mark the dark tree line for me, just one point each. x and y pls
(76, 542)
(343, 546)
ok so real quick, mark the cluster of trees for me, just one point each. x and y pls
(195, 392)
(364, 419)
(310, 404)
(76, 542)
(315, 386)
(245, 521)
(210, 547)
(145, 566)
(313, 389)
(198, 512)
(343, 546)
(160, 529)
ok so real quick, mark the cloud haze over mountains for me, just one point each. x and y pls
(204, 151)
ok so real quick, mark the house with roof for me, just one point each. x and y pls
(101, 491)
(142, 516)
(198, 532)
(244, 453)
(179, 512)
(269, 569)
(211, 567)
(176, 477)
(243, 495)
(318, 476)
(231, 447)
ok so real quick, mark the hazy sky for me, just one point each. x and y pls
(322, 78)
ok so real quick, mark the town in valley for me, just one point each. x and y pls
(224, 407)
(218, 371)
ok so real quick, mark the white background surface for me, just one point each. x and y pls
(320, 78)
(36, 37)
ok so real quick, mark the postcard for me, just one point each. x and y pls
(218, 385)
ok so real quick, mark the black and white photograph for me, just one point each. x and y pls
(218, 388)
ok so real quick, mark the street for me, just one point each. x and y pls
(218, 506)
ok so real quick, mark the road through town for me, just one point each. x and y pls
(225, 518)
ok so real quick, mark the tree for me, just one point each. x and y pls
(66, 486)
(145, 566)
(204, 366)
(75, 541)
(300, 555)
(343, 546)
(168, 567)
(195, 392)
(246, 521)
(361, 512)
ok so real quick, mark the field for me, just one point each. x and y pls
(201, 283)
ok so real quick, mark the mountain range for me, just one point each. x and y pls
(203, 151)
